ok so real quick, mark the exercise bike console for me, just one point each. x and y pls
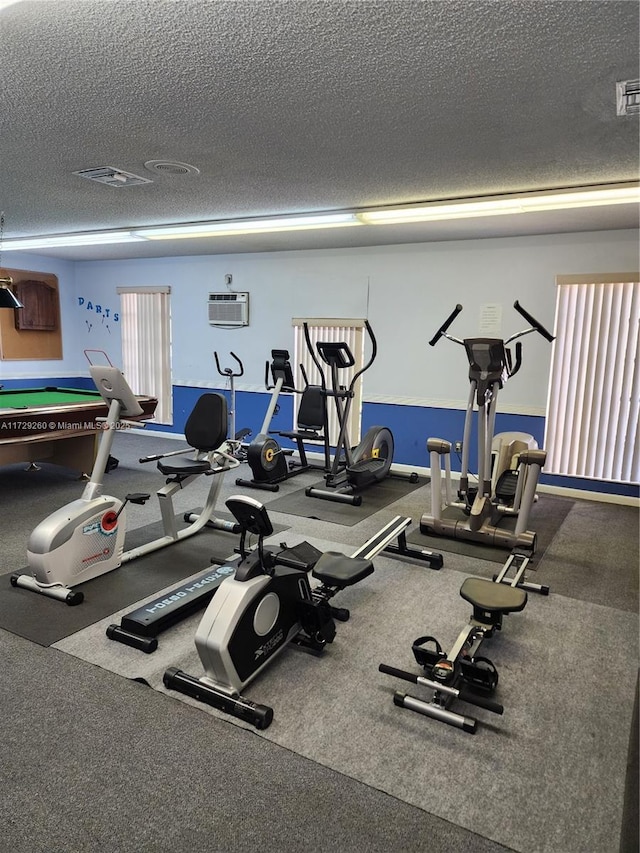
(251, 515)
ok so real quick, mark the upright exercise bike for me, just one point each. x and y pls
(236, 437)
(85, 538)
(509, 464)
(358, 468)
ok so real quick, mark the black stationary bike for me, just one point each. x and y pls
(270, 463)
(267, 604)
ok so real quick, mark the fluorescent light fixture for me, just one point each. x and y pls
(96, 238)
(627, 193)
(503, 205)
(249, 226)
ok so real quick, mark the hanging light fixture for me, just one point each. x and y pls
(8, 299)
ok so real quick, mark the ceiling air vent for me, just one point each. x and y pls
(112, 177)
(228, 309)
(170, 167)
(628, 98)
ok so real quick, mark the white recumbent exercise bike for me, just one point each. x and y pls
(85, 538)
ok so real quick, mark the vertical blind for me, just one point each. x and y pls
(594, 391)
(146, 345)
(349, 331)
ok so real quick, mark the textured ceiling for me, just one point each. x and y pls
(308, 105)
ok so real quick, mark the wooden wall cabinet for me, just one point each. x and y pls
(33, 332)
(40, 301)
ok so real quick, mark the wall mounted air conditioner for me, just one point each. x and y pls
(228, 309)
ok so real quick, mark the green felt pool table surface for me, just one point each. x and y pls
(52, 424)
(31, 398)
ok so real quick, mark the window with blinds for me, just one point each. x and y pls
(146, 345)
(594, 389)
(324, 329)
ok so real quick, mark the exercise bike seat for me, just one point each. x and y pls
(184, 465)
(337, 570)
(205, 431)
(494, 598)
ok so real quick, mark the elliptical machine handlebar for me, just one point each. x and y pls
(538, 327)
(374, 352)
(513, 369)
(356, 376)
(443, 328)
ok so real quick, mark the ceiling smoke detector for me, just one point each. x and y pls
(112, 177)
(170, 167)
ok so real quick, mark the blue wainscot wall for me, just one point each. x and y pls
(410, 425)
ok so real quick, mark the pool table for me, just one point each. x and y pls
(56, 425)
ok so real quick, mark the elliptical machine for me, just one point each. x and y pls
(267, 604)
(358, 468)
(509, 464)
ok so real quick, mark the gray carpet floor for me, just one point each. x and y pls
(94, 761)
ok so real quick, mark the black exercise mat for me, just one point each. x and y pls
(377, 497)
(46, 620)
(547, 516)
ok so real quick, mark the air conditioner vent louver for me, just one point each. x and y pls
(628, 98)
(112, 177)
(228, 309)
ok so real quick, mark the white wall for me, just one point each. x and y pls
(405, 291)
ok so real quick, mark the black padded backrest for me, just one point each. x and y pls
(281, 369)
(311, 413)
(206, 426)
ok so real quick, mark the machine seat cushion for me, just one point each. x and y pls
(304, 433)
(206, 426)
(184, 465)
(493, 597)
(338, 570)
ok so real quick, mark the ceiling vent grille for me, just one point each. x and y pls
(112, 177)
(628, 98)
(228, 309)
